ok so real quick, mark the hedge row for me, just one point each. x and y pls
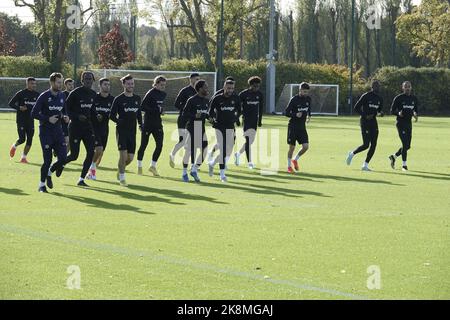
(431, 85)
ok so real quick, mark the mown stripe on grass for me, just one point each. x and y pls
(170, 260)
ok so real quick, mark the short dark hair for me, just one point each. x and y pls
(254, 80)
(87, 72)
(103, 80)
(229, 82)
(193, 75)
(229, 78)
(304, 85)
(54, 76)
(159, 79)
(126, 78)
(30, 79)
(199, 84)
(68, 80)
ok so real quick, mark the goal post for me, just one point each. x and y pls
(176, 80)
(10, 86)
(324, 98)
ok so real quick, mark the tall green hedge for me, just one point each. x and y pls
(430, 85)
(29, 66)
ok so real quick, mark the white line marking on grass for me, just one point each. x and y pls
(172, 260)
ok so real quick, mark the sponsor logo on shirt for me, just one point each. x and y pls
(55, 108)
(30, 103)
(227, 108)
(104, 109)
(302, 109)
(253, 103)
(371, 105)
(408, 107)
(86, 105)
(131, 109)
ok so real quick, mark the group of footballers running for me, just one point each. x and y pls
(80, 114)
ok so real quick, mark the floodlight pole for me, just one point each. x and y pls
(270, 87)
(350, 98)
(220, 47)
(75, 62)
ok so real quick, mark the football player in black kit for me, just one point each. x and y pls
(368, 107)
(125, 112)
(195, 112)
(24, 101)
(79, 107)
(102, 105)
(405, 107)
(252, 102)
(299, 112)
(152, 106)
(224, 112)
(180, 102)
(216, 146)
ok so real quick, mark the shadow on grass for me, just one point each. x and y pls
(257, 189)
(134, 196)
(172, 194)
(412, 173)
(97, 203)
(14, 192)
(281, 175)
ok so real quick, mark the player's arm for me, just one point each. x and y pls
(114, 111)
(358, 108)
(380, 108)
(415, 110)
(139, 114)
(15, 101)
(36, 112)
(289, 111)
(187, 113)
(261, 110)
(308, 117)
(179, 105)
(212, 109)
(238, 110)
(394, 106)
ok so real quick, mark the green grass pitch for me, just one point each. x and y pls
(314, 235)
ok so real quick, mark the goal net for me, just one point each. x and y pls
(176, 80)
(324, 98)
(9, 87)
(143, 82)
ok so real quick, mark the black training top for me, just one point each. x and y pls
(80, 102)
(407, 104)
(102, 105)
(298, 104)
(369, 104)
(225, 111)
(126, 111)
(152, 105)
(183, 97)
(25, 98)
(195, 105)
(252, 105)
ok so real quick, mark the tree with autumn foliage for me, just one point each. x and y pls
(7, 45)
(113, 51)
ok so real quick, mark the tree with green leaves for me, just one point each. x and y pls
(427, 29)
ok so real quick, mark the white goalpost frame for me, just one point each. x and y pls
(8, 109)
(105, 71)
(320, 85)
